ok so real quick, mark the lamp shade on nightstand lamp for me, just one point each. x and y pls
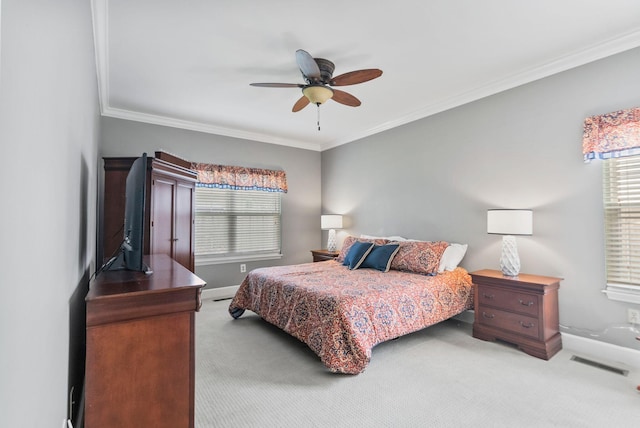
(331, 222)
(509, 223)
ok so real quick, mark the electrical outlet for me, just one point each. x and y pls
(633, 316)
(243, 268)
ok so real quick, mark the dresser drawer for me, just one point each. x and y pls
(523, 303)
(516, 323)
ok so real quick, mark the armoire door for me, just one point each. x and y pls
(184, 233)
(162, 216)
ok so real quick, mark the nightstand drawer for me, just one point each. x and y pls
(516, 323)
(323, 255)
(509, 300)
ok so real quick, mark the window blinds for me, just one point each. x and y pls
(237, 222)
(621, 196)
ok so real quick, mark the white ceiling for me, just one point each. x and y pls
(188, 63)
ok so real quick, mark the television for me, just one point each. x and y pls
(131, 251)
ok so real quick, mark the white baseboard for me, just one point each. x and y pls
(220, 293)
(595, 349)
(601, 351)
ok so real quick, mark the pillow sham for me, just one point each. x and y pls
(346, 246)
(357, 253)
(380, 257)
(419, 256)
(388, 238)
(452, 256)
(349, 241)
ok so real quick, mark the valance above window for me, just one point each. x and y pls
(612, 135)
(240, 178)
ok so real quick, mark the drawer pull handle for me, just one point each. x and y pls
(486, 315)
(523, 303)
(487, 296)
(529, 325)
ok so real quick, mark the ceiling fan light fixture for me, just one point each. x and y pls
(317, 94)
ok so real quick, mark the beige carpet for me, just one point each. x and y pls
(251, 374)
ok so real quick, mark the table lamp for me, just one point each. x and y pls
(331, 223)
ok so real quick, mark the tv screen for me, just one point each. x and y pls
(131, 250)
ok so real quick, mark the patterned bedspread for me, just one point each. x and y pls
(342, 314)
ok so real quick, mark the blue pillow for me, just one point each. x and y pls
(357, 253)
(349, 256)
(380, 257)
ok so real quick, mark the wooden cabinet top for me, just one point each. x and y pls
(123, 164)
(497, 277)
(326, 253)
(121, 294)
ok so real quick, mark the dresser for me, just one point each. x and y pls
(322, 255)
(521, 310)
(140, 360)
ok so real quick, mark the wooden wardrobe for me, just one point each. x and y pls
(169, 207)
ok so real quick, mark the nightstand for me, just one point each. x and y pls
(322, 255)
(521, 310)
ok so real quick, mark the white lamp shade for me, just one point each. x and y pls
(331, 222)
(510, 222)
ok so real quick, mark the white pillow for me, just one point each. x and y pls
(389, 238)
(452, 256)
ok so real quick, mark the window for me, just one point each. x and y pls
(615, 137)
(621, 195)
(234, 225)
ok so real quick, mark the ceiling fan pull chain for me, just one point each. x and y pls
(318, 116)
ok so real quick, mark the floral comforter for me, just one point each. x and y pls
(342, 314)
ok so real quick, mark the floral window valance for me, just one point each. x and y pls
(240, 178)
(612, 135)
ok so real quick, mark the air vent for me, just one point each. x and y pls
(599, 365)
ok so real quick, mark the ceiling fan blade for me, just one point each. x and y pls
(308, 65)
(277, 85)
(300, 104)
(354, 77)
(345, 98)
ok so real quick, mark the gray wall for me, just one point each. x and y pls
(300, 206)
(49, 121)
(436, 177)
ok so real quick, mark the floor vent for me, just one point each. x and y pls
(599, 365)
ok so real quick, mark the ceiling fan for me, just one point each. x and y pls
(318, 75)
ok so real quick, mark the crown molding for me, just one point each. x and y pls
(204, 127)
(567, 62)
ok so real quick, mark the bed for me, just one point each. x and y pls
(342, 312)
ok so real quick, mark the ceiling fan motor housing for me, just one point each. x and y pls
(326, 69)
